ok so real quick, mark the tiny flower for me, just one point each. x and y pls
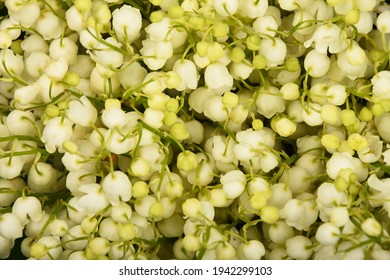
(274, 50)
(56, 132)
(127, 23)
(11, 168)
(371, 227)
(26, 208)
(344, 160)
(82, 112)
(327, 234)
(94, 200)
(225, 7)
(10, 226)
(382, 22)
(327, 37)
(381, 82)
(270, 102)
(253, 8)
(188, 74)
(299, 247)
(117, 187)
(253, 250)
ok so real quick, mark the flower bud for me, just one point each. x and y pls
(192, 208)
(330, 114)
(371, 227)
(365, 115)
(179, 131)
(382, 22)
(237, 55)
(187, 161)
(191, 243)
(285, 127)
(352, 16)
(330, 141)
(253, 42)
(348, 117)
(269, 214)
(299, 247)
(127, 231)
(252, 250)
(140, 189)
(327, 234)
(10, 226)
(225, 251)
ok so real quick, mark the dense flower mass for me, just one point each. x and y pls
(194, 129)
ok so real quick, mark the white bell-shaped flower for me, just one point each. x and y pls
(327, 234)
(274, 50)
(10, 226)
(42, 177)
(57, 69)
(197, 98)
(150, 51)
(27, 207)
(6, 199)
(74, 19)
(225, 7)
(48, 25)
(117, 187)
(270, 102)
(6, 246)
(25, 121)
(25, 14)
(82, 112)
(188, 74)
(79, 177)
(215, 110)
(13, 62)
(27, 94)
(11, 168)
(222, 149)
(89, 39)
(65, 49)
(159, 31)
(108, 57)
(265, 26)
(353, 64)
(119, 142)
(56, 132)
(35, 63)
(253, 8)
(381, 84)
(113, 116)
(316, 64)
(131, 75)
(94, 200)
(383, 22)
(299, 247)
(127, 23)
(33, 43)
(328, 37)
(344, 160)
(380, 189)
(329, 196)
(373, 151)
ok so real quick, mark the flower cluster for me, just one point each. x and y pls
(195, 129)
